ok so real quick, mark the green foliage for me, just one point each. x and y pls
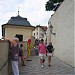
(52, 5)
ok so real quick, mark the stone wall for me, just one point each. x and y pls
(4, 54)
(4, 46)
(63, 25)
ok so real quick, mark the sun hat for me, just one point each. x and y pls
(16, 39)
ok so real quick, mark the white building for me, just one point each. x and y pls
(63, 25)
(40, 32)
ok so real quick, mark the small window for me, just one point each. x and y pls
(37, 33)
(37, 28)
(42, 35)
(20, 37)
(34, 34)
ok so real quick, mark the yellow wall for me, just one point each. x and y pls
(11, 31)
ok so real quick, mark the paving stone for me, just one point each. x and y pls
(57, 67)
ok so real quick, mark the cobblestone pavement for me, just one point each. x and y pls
(57, 67)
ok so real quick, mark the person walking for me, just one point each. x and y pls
(36, 49)
(21, 55)
(42, 52)
(14, 55)
(49, 52)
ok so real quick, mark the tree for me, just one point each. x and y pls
(53, 5)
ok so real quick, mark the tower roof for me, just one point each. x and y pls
(18, 20)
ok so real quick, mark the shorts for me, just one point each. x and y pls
(42, 56)
(49, 54)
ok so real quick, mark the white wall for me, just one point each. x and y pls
(40, 30)
(48, 34)
(74, 32)
(63, 25)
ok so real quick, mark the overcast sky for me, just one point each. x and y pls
(33, 10)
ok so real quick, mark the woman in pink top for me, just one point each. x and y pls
(42, 52)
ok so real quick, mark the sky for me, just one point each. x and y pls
(33, 10)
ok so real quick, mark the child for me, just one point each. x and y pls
(36, 49)
(21, 54)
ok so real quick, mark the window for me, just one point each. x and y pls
(37, 33)
(37, 29)
(20, 37)
(42, 35)
(34, 34)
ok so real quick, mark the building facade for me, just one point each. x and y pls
(40, 32)
(17, 27)
(63, 26)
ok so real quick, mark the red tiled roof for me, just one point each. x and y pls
(44, 27)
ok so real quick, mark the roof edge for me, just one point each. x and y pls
(16, 25)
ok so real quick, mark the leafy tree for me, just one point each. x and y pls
(53, 5)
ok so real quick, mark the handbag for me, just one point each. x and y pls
(52, 49)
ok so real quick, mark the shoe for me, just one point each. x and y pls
(49, 65)
(42, 66)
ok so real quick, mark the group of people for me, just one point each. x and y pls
(16, 51)
(44, 50)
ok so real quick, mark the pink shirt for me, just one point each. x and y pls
(42, 48)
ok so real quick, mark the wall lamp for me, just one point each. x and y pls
(51, 29)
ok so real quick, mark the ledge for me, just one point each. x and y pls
(1, 40)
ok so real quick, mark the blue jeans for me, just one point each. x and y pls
(36, 51)
(15, 67)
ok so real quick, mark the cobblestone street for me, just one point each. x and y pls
(57, 67)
